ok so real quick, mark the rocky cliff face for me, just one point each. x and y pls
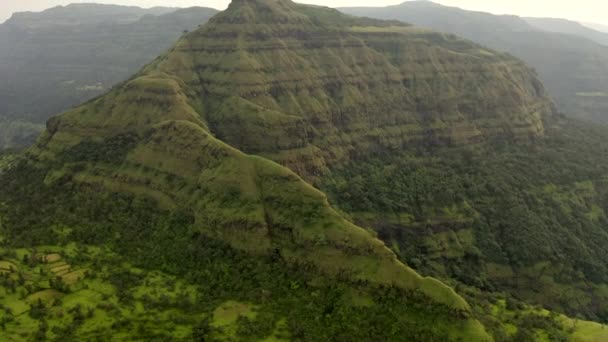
(310, 87)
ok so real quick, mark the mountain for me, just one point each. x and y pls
(147, 171)
(569, 27)
(271, 175)
(64, 56)
(83, 14)
(315, 116)
(573, 68)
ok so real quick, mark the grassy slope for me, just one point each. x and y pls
(242, 199)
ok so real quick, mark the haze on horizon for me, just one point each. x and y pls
(589, 11)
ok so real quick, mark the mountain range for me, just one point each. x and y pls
(56, 59)
(290, 172)
(38, 83)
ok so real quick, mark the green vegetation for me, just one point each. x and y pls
(525, 219)
(64, 56)
(450, 152)
(313, 101)
(570, 59)
(225, 286)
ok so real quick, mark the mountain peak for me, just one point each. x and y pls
(305, 85)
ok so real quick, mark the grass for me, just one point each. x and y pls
(8, 266)
(585, 331)
(227, 313)
(47, 296)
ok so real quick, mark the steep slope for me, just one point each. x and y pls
(528, 220)
(573, 68)
(143, 170)
(56, 59)
(325, 90)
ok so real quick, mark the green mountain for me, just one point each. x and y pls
(64, 56)
(572, 66)
(188, 202)
(143, 171)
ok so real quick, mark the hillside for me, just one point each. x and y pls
(573, 68)
(64, 56)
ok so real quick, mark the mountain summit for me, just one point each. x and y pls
(324, 86)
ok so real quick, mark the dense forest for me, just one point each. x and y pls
(482, 214)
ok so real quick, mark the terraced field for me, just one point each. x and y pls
(62, 293)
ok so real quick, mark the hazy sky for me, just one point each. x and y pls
(580, 10)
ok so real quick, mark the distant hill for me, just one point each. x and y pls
(597, 27)
(574, 68)
(83, 14)
(66, 55)
(569, 27)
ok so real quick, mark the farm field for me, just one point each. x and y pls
(59, 293)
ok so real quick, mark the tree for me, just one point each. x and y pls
(202, 331)
(38, 310)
